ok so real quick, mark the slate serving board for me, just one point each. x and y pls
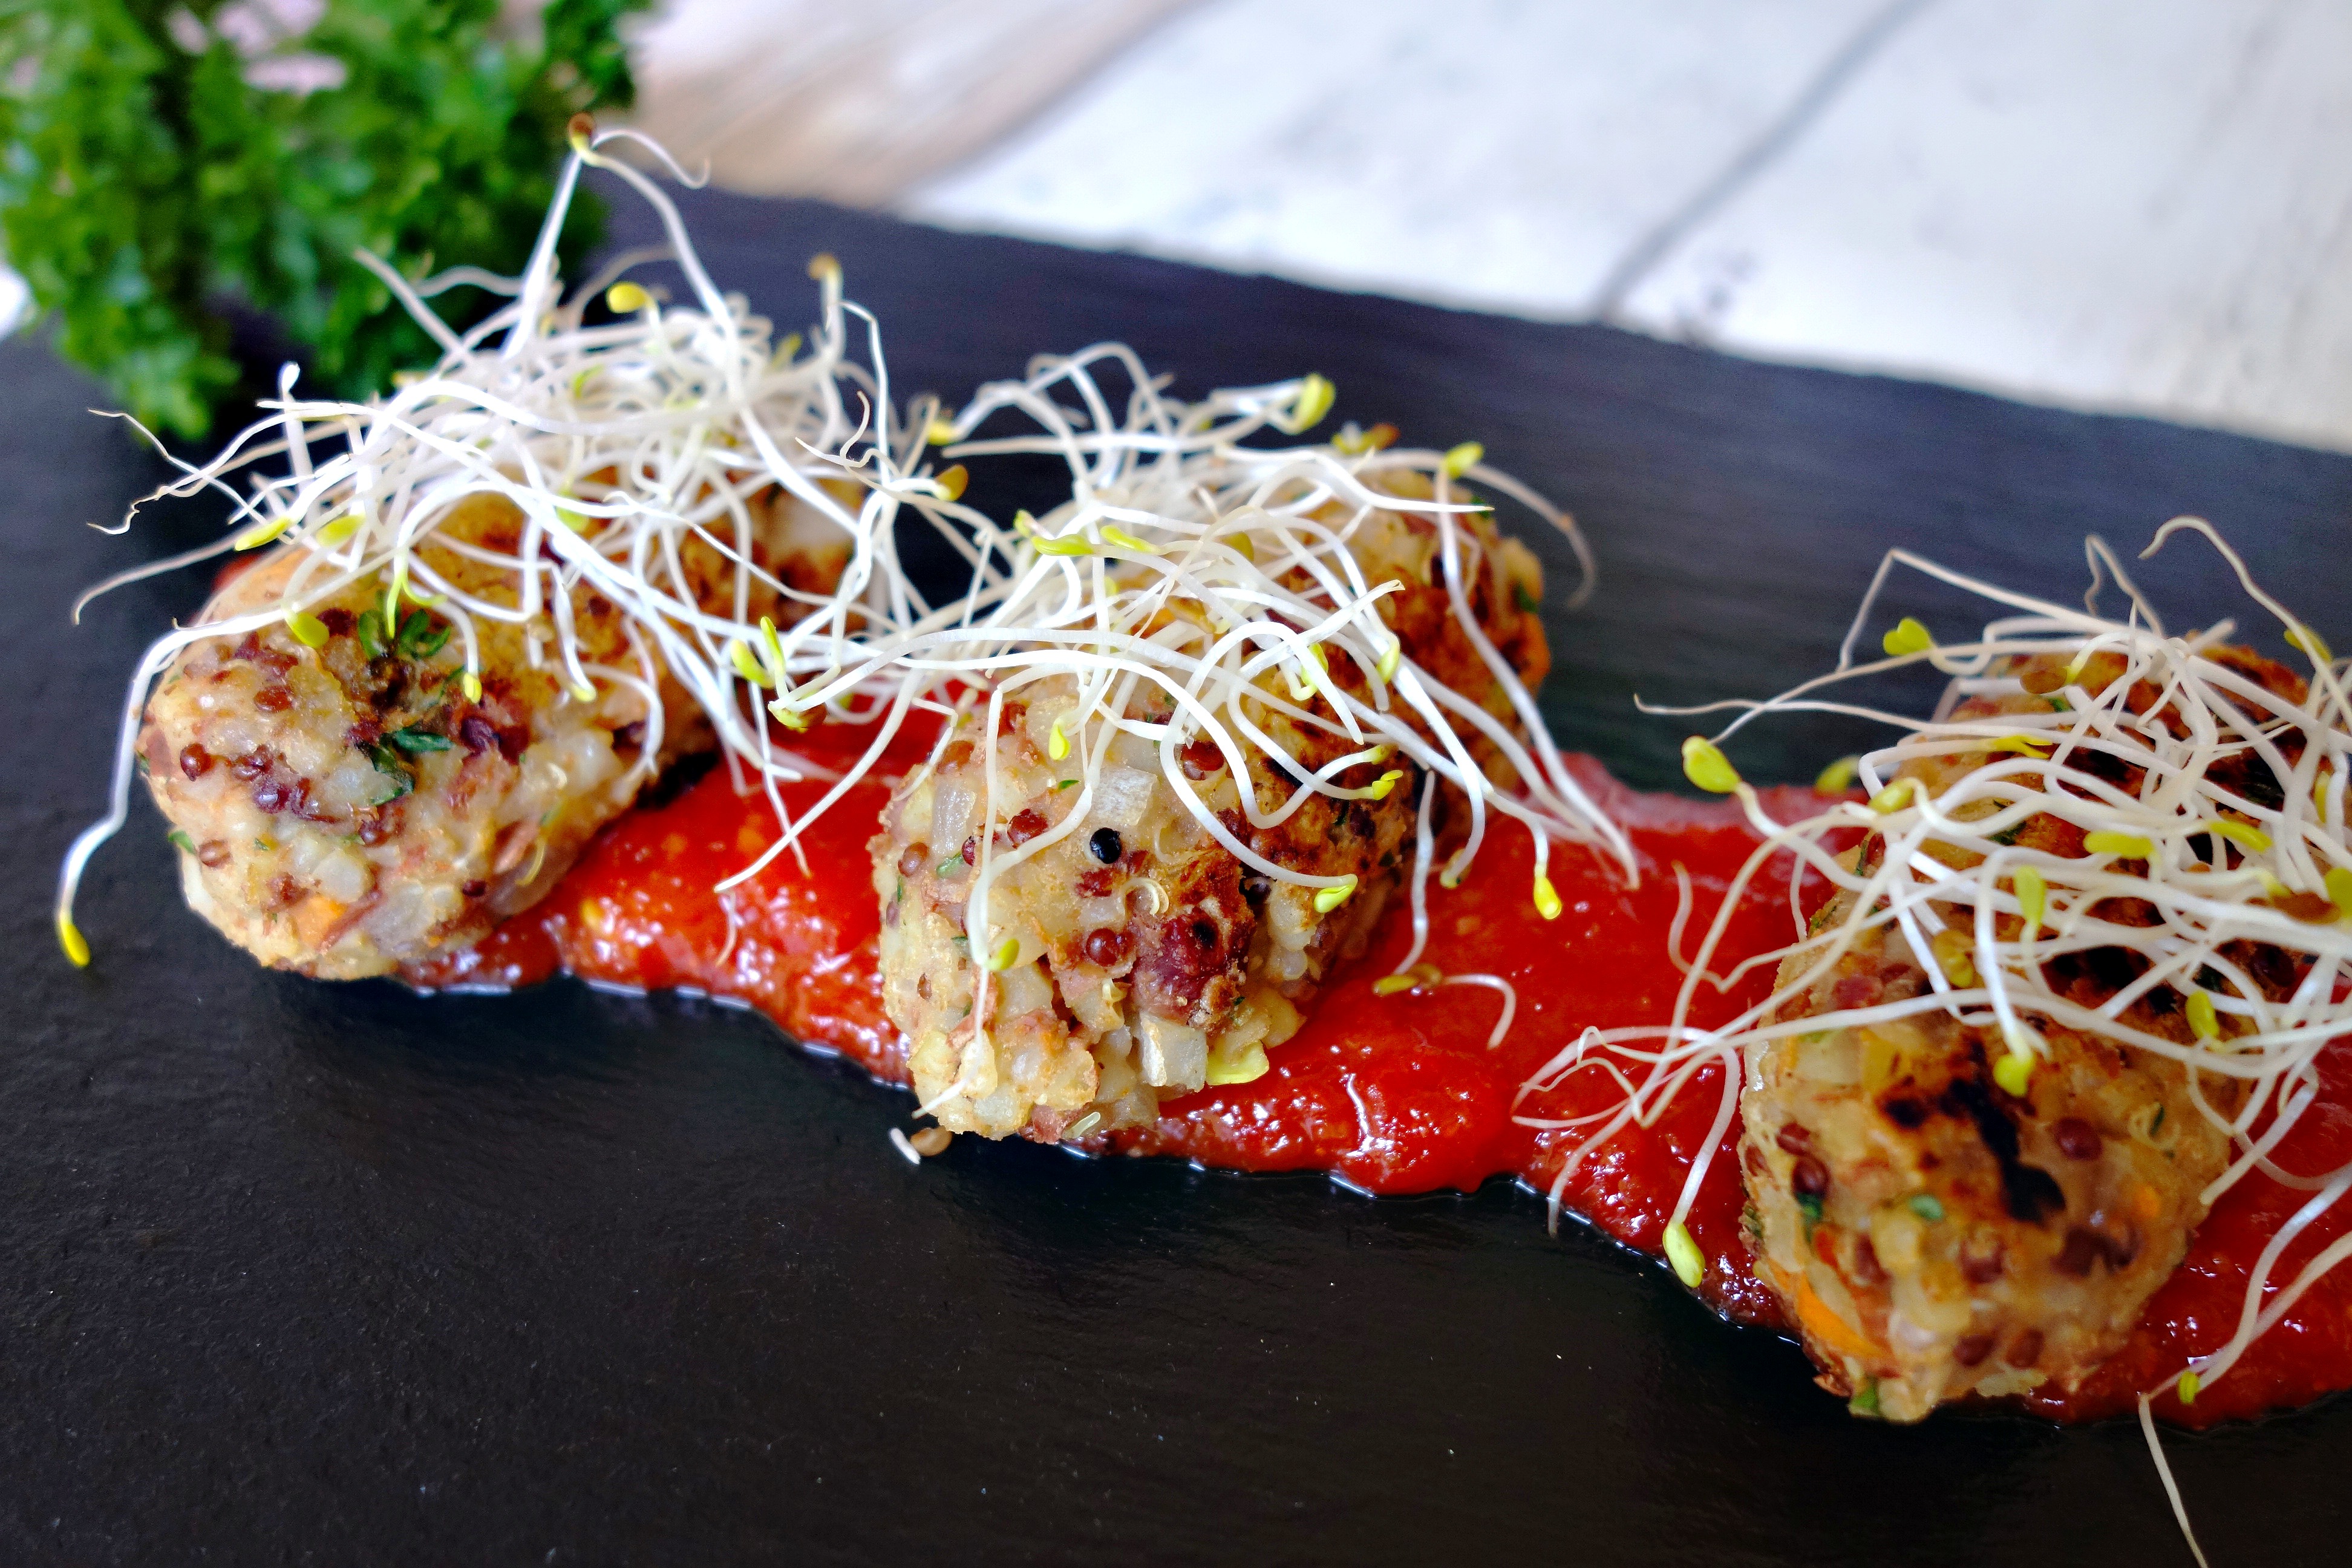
(293, 1272)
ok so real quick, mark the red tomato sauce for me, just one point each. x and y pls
(1401, 1094)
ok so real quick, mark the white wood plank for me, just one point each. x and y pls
(1497, 153)
(2104, 202)
(859, 103)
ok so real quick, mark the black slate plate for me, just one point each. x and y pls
(298, 1272)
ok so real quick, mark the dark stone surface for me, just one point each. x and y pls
(292, 1272)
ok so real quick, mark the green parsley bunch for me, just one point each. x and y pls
(165, 159)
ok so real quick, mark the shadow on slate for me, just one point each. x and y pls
(309, 1273)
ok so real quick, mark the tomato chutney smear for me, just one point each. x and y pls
(1403, 1093)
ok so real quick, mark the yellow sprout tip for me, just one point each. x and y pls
(2244, 834)
(786, 716)
(2202, 1019)
(2312, 644)
(1459, 460)
(69, 937)
(343, 528)
(1892, 798)
(1838, 777)
(2014, 1073)
(2023, 745)
(1705, 765)
(1384, 786)
(1058, 745)
(745, 665)
(2125, 846)
(1390, 985)
(938, 433)
(1689, 1264)
(1329, 899)
(2033, 894)
(1314, 396)
(1006, 956)
(772, 647)
(823, 266)
(1391, 661)
(953, 481)
(1954, 955)
(625, 298)
(308, 629)
(1128, 543)
(2190, 1383)
(1908, 638)
(471, 684)
(261, 533)
(2338, 883)
(586, 691)
(1547, 897)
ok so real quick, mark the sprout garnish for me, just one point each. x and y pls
(618, 443)
(2213, 866)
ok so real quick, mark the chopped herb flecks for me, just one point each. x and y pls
(420, 637)
(388, 761)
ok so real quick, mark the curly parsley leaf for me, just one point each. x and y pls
(154, 172)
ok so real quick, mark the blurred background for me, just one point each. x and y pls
(2142, 206)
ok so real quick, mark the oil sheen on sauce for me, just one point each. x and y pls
(1400, 1094)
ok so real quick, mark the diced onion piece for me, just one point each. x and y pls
(1239, 1066)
